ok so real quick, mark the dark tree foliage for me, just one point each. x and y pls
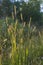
(32, 9)
(7, 7)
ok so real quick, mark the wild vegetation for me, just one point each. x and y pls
(30, 9)
(21, 41)
(20, 44)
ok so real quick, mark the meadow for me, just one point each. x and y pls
(20, 44)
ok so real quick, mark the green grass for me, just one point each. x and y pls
(20, 44)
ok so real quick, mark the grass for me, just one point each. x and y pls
(20, 44)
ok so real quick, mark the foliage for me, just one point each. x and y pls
(20, 44)
(30, 9)
(7, 7)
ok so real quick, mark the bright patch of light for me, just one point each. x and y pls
(13, 1)
(41, 8)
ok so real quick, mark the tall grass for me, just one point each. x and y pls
(20, 44)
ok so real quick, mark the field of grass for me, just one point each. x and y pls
(20, 44)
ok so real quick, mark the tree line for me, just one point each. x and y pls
(30, 9)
